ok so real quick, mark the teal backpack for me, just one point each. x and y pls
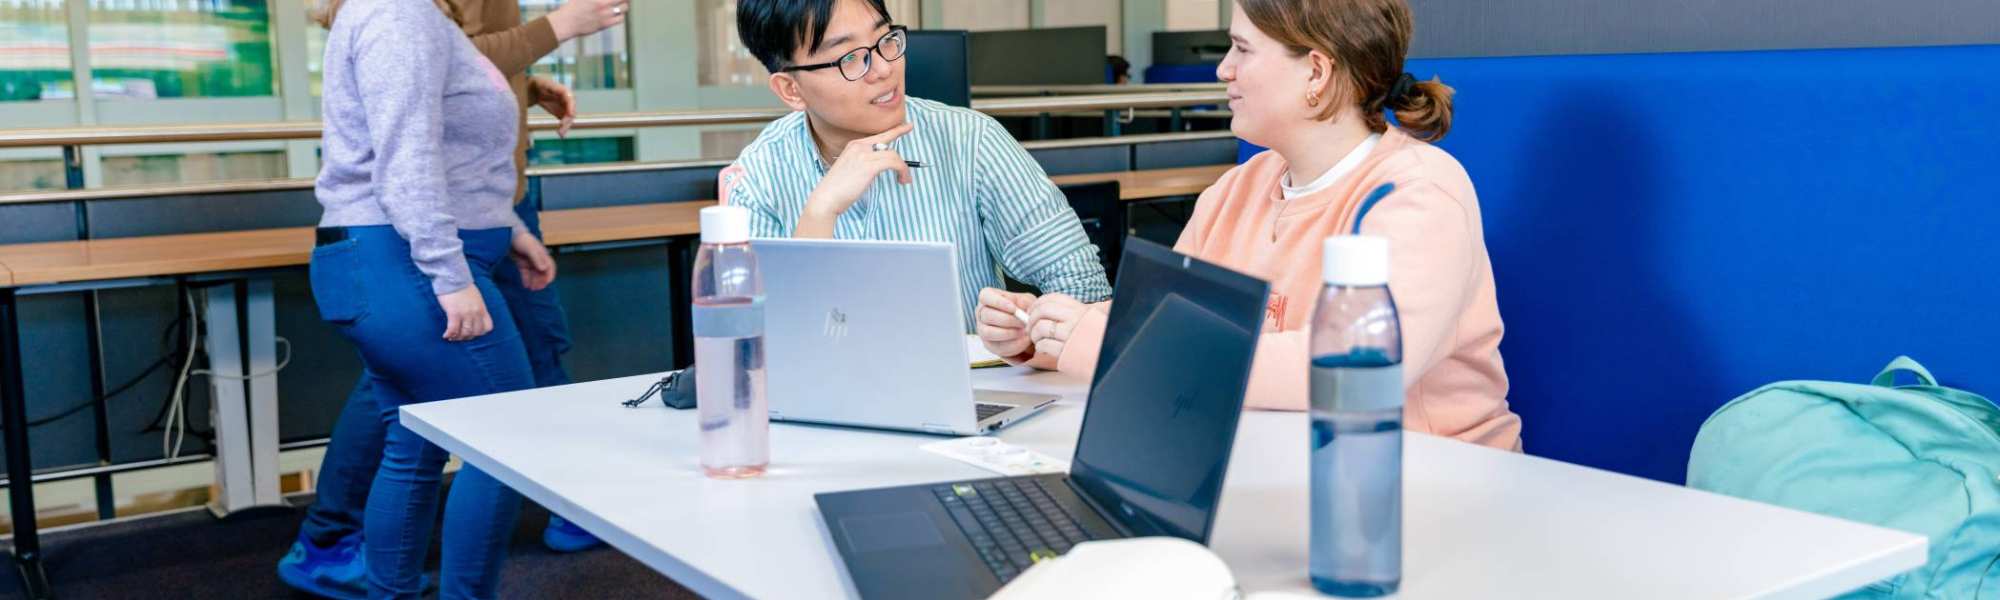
(1918, 458)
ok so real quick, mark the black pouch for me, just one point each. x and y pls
(676, 390)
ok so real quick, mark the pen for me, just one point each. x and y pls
(1022, 315)
(914, 163)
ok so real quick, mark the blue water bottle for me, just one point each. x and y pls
(1357, 424)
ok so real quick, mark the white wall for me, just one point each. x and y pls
(1070, 13)
(981, 15)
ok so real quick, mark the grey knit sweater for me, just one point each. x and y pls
(419, 133)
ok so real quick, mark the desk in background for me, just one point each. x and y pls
(1153, 184)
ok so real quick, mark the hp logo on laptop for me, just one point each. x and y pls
(836, 324)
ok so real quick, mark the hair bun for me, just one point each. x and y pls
(1401, 90)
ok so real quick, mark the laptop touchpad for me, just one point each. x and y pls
(875, 533)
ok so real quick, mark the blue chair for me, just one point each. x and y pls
(1245, 150)
(1196, 73)
(1672, 230)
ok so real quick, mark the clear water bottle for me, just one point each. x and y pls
(729, 348)
(1357, 424)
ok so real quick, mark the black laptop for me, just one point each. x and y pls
(1149, 460)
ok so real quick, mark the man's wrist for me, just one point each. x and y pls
(818, 208)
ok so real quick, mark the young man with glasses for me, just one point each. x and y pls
(858, 160)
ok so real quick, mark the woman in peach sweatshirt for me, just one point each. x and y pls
(1313, 80)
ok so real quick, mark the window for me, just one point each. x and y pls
(576, 151)
(599, 61)
(193, 167)
(142, 49)
(724, 60)
(315, 49)
(25, 175)
(34, 52)
(726, 143)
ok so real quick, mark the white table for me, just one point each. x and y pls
(1478, 523)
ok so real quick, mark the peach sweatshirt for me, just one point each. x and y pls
(1439, 274)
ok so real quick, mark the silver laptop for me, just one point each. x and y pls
(872, 334)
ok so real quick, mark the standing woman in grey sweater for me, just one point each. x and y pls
(418, 188)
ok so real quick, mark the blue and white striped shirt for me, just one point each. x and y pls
(978, 189)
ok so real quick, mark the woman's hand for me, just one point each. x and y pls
(1053, 317)
(465, 315)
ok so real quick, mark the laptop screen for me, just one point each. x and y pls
(1170, 381)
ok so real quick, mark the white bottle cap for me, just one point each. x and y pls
(1355, 260)
(725, 225)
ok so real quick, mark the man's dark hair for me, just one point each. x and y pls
(773, 29)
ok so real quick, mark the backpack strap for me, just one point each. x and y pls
(1904, 364)
(1368, 203)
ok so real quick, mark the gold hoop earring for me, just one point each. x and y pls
(1312, 99)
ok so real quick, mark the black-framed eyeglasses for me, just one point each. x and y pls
(854, 65)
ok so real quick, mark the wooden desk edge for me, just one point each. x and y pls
(297, 253)
(289, 256)
(620, 234)
(1202, 176)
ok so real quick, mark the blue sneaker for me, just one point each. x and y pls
(337, 572)
(564, 536)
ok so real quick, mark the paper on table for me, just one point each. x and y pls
(981, 357)
(997, 456)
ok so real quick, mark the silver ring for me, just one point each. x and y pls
(880, 147)
(617, 10)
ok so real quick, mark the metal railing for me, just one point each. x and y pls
(297, 130)
(306, 183)
(1111, 100)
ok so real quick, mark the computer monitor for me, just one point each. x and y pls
(1051, 56)
(936, 67)
(1190, 47)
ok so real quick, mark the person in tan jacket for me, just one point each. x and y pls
(1319, 97)
(325, 559)
(497, 31)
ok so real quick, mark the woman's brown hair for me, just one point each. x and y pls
(1367, 40)
(322, 14)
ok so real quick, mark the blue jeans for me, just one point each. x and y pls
(356, 446)
(368, 288)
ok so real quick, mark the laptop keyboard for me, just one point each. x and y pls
(986, 411)
(1013, 523)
